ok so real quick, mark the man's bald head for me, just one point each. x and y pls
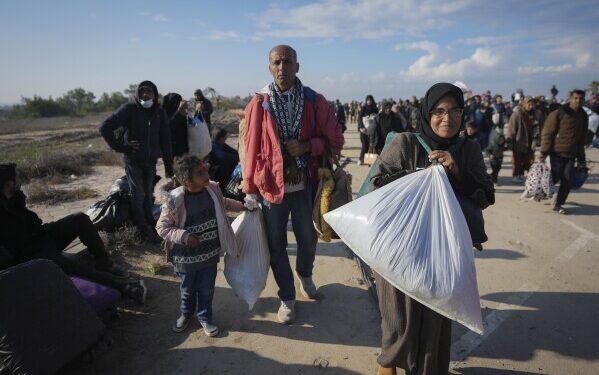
(283, 48)
(283, 66)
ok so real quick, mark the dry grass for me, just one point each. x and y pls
(122, 239)
(40, 193)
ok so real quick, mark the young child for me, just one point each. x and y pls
(495, 152)
(196, 229)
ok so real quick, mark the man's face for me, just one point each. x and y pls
(283, 67)
(576, 101)
(498, 100)
(146, 93)
(387, 109)
(528, 105)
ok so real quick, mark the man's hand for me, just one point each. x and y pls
(296, 148)
(193, 241)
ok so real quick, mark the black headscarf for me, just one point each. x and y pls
(170, 103)
(432, 97)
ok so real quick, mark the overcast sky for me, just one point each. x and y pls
(346, 48)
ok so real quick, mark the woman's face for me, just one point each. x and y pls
(368, 101)
(447, 124)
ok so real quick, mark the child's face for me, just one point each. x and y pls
(199, 177)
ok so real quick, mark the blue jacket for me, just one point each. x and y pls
(149, 127)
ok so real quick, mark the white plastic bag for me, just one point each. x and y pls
(413, 233)
(198, 139)
(369, 123)
(247, 273)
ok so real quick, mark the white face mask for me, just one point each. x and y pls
(146, 103)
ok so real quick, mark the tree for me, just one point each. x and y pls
(78, 101)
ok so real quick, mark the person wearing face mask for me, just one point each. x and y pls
(146, 136)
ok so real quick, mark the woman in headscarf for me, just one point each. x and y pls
(176, 110)
(414, 337)
(368, 108)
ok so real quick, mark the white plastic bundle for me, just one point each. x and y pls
(247, 273)
(198, 139)
(413, 233)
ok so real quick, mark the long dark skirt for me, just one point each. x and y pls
(415, 338)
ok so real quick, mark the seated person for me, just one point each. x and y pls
(223, 159)
(24, 237)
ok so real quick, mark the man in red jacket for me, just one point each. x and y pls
(288, 127)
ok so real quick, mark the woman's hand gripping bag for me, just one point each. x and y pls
(413, 233)
(247, 273)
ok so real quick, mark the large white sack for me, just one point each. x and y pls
(413, 233)
(198, 139)
(247, 273)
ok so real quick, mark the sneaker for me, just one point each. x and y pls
(114, 270)
(137, 291)
(209, 329)
(286, 313)
(360, 162)
(560, 210)
(181, 324)
(478, 246)
(307, 287)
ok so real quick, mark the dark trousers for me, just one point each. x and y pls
(521, 162)
(141, 190)
(197, 291)
(59, 234)
(495, 168)
(365, 145)
(561, 170)
(299, 204)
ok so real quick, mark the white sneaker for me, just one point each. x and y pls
(307, 287)
(209, 329)
(286, 313)
(359, 162)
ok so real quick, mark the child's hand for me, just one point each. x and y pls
(193, 241)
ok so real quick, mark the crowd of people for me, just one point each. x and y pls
(526, 125)
(288, 128)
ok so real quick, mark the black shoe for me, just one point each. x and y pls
(560, 210)
(478, 246)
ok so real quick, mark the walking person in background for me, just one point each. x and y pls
(386, 122)
(520, 137)
(340, 114)
(176, 110)
(369, 108)
(288, 127)
(563, 140)
(146, 137)
(204, 108)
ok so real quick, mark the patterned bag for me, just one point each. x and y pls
(539, 183)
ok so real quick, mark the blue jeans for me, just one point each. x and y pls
(141, 189)
(197, 290)
(299, 204)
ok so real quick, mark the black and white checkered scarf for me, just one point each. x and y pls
(289, 127)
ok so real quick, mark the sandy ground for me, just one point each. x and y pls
(537, 279)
